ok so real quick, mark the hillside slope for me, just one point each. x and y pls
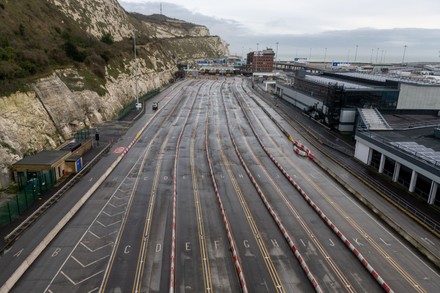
(68, 64)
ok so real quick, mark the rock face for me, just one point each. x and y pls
(160, 26)
(98, 17)
(54, 108)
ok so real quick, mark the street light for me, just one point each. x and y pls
(135, 70)
(257, 46)
(276, 55)
(325, 54)
(356, 54)
(404, 51)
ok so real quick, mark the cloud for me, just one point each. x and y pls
(386, 44)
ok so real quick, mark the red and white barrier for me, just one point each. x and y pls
(333, 227)
(349, 245)
(272, 212)
(303, 148)
(299, 152)
(231, 240)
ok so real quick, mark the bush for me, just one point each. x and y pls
(99, 71)
(73, 52)
(94, 59)
(28, 67)
(9, 70)
(37, 57)
(107, 38)
(21, 29)
(8, 54)
(105, 57)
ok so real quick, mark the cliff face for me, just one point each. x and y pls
(98, 17)
(62, 103)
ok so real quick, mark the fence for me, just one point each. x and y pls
(124, 112)
(29, 191)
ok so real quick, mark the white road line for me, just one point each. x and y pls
(83, 280)
(99, 248)
(93, 262)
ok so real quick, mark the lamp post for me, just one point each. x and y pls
(371, 57)
(135, 70)
(404, 51)
(377, 53)
(276, 54)
(257, 46)
(356, 54)
(325, 54)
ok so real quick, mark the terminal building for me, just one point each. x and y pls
(395, 122)
(334, 98)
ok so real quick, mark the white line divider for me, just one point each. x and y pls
(231, 240)
(332, 226)
(173, 233)
(274, 215)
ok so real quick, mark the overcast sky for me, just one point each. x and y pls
(337, 30)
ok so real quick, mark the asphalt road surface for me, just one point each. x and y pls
(199, 202)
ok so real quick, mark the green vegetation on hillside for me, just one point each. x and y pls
(35, 38)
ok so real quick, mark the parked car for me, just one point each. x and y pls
(155, 106)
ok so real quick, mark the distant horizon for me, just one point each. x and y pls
(387, 38)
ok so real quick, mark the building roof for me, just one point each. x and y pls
(43, 158)
(417, 142)
(373, 119)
